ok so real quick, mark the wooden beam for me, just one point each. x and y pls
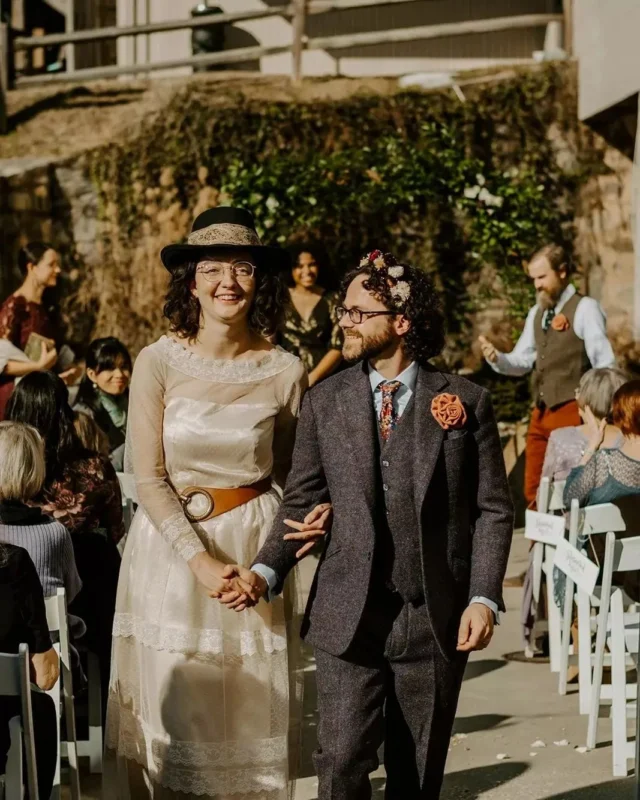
(322, 6)
(431, 31)
(115, 32)
(299, 26)
(4, 75)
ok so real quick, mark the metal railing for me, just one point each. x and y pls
(297, 11)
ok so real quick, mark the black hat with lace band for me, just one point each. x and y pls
(224, 228)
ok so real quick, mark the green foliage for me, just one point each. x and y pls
(463, 190)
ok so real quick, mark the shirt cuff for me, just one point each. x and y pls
(270, 577)
(489, 604)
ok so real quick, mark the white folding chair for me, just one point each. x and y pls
(56, 608)
(592, 521)
(14, 682)
(549, 502)
(620, 631)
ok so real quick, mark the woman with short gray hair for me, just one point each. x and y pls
(594, 395)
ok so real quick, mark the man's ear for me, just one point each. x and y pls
(402, 325)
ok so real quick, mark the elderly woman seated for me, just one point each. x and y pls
(594, 396)
(605, 474)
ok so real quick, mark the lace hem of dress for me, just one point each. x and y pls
(223, 370)
(181, 536)
(214, 769)
(192, 640)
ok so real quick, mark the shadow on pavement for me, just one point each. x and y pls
(621, 789)
(472, 783)
(479, 722)
(477, 668)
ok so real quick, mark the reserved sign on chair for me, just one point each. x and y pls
(544, 528)
(576, 566)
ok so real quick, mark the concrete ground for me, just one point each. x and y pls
(504, 708)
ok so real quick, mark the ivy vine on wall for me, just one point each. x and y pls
(466, 190)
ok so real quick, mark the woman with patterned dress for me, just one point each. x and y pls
(200, 696)
(24, 313)
(309, 328)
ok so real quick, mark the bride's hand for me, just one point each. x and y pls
(208, 572)
(316, 525)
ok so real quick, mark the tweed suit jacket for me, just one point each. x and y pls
(460, 492)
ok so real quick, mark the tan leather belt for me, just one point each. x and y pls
(208, 503)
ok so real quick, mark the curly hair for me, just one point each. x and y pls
(422, 307)
(326, 276)
(182, 309)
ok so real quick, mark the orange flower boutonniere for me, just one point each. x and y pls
(560, 323)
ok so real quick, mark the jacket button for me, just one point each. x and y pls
(542, 356)
(385, 463)
(385, 487)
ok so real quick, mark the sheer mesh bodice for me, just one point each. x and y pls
(609, 474)
(200, 695)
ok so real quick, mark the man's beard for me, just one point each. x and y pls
(546, 300)
(364, 349)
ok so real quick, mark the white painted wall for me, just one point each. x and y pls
(606, 41)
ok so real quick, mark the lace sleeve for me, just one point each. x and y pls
(145, 456)
(550, 458)
(286, 421)
(581, 481)
(11, 316)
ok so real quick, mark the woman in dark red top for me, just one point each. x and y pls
(24, 313)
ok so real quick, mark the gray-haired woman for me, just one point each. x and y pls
(567, 445)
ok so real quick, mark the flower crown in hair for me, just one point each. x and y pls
(386, 265)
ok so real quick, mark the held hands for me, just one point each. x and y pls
(315, 526)
(249, 588)
(476, 628)
(488, 350)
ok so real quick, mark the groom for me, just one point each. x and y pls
(410, 579)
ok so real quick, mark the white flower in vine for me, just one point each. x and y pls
(401, 291)
(396, 272)
(491, 200)
(272, 204)
(471, 192)
(480, 179)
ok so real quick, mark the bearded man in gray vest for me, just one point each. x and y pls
(565, 335)
(410, 580)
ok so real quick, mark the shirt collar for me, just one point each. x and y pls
(407, 377)
(566, 295)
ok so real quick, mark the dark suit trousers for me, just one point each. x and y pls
(393, 685)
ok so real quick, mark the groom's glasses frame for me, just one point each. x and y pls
(356, 315)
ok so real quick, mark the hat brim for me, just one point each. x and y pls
(176, 254)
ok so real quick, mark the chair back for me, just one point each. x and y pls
(556, 496)
(14, 682)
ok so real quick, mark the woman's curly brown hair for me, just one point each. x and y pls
(389, 281)
(182, 309)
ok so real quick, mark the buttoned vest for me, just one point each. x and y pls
(561, 359)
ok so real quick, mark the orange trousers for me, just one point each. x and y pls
(543, 421)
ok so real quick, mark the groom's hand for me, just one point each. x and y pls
(249, 588)
(476, 628)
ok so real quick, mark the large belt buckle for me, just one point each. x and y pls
(205, 509)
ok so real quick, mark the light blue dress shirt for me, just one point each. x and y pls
(407, 378)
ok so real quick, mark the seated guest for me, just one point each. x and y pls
(24, 621)
(81, 491)
(22, 472)
(594, 396)
(606, 474)
(91, 436)
(104, 392)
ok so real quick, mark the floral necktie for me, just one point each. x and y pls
(388, 415)
(547, 318)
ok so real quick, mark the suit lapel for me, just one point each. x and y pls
(355, 400)
(428, 435)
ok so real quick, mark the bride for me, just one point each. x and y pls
(199, 699)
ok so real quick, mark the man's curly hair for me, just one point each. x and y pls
(389, 284)
(183, 311)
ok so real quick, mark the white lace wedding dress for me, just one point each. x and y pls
(201, 696)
